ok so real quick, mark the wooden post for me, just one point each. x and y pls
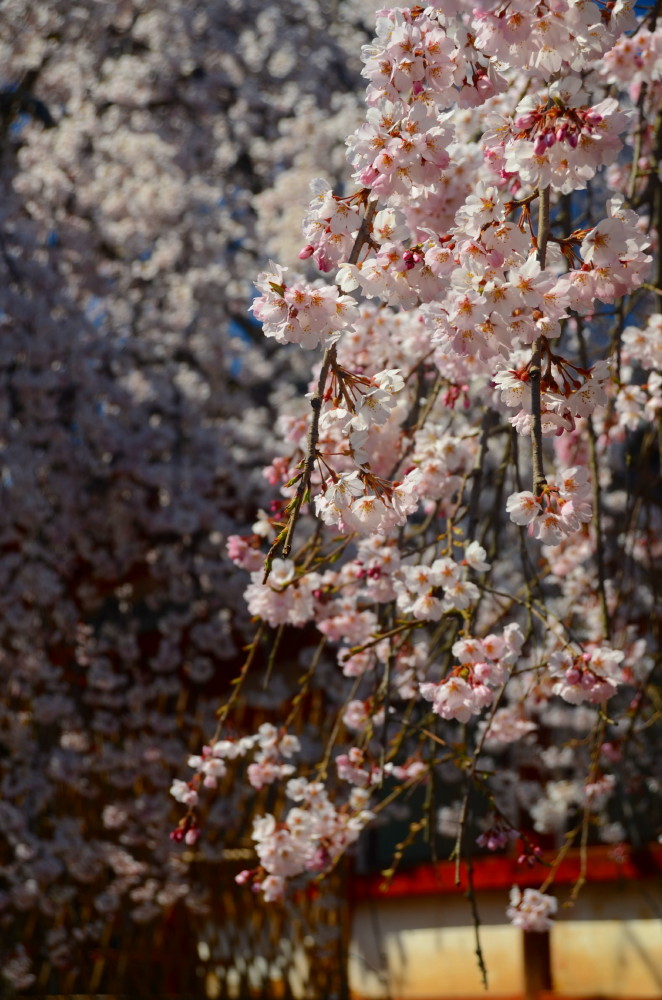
(537, 964)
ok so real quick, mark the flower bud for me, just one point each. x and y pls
(526, 120)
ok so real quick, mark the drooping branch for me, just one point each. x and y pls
(293, 509)
(477, 472)
(539, 480)
(597, 502)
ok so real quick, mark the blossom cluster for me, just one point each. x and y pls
(559, 511)
(297, 312)
(482, 669)
(310, 837)
(531, 910)
(592, 676)
(560, 141)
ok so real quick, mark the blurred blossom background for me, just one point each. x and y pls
(152, 157)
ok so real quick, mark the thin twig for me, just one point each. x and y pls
(311, 450)
(597, 513)
(478, 470)
(323, 766)
(638, 138)
(272, 656)
(304, 683)
(237, 684)
(383, 696)
(539, 481)
(597, 499)
(478, 950)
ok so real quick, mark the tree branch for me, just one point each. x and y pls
(303, 486)
(539, 480)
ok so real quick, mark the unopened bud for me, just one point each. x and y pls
(526, 120)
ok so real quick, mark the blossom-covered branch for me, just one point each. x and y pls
(471, 626)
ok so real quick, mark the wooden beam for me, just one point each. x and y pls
(498, 872)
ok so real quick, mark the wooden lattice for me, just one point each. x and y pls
(239, 948)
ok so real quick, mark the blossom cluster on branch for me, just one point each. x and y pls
(462, 519)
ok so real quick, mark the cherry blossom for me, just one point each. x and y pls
(188, 499)
(531, 910)
(478, 393)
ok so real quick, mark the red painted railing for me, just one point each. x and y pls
(603, 864)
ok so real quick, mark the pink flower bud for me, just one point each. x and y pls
(611, 752)
(368, 176)
(495, 258)
(322, 261)
(307, 252)
(526, 120)
(482, 672)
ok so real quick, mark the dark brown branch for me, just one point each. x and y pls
(539, 480)
(489, 418)
(597, 501)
